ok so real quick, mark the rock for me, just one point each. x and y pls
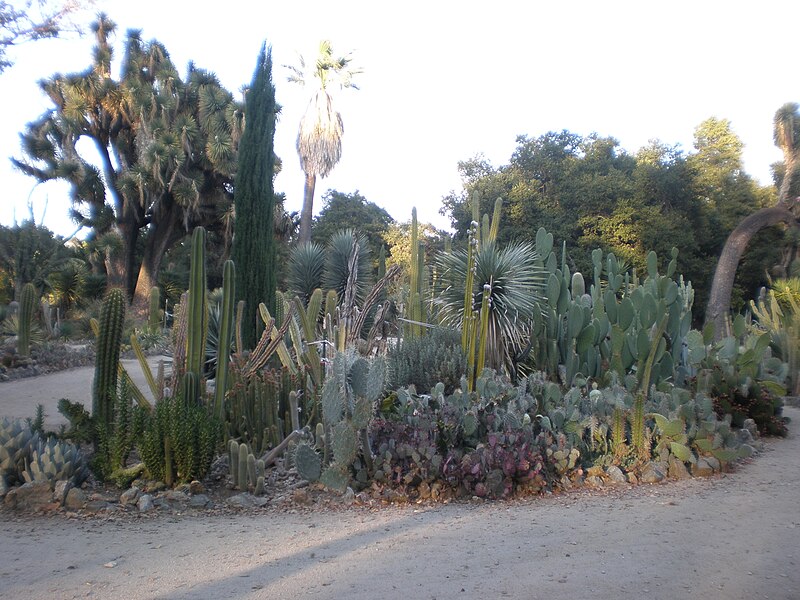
(301, 496)
(349, 496)
(200, 501)
(677, 470)
(701, 468)
(130, 496)
(616, 475)
(652, 474)
(61, 491)
(750, 425)
(195, 487)
(94, 506)
(176, 496)
(75, 500)
(3, 486)
(35, 495)
(714, 463)
(245, 500)
(632, 479)
(593, 481)
(745, 437)
(145, 503)
(11, 498)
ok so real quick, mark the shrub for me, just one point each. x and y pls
(425, 361)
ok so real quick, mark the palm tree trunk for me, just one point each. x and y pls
(719, 301)
(308, 208)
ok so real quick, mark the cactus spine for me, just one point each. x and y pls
(27, 305)
(224, 342)
(112, 316)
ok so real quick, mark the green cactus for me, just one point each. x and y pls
(225, 336)
(112, 316)
(197, 318)
(241, 471)
(27, 306)
(154, 310)
(233, 460)
(308, 462)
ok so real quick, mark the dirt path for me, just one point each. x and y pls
(18, 398)
(729, 537)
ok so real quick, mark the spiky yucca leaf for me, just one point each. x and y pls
(517, 287)
(306, 269)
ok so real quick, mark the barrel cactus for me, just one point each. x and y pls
(55, 460)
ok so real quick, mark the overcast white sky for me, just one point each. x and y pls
(444, 80)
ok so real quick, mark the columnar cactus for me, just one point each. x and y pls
(225, 336)
(112, 316)
(27, 305)
(197, 314)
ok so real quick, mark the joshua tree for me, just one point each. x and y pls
(319, 138)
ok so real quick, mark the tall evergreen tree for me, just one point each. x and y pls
(254, 200)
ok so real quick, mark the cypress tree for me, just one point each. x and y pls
(254, 199)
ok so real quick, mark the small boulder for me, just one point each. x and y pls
(95, 506)
(701, 468)
(195, 487)
(75, 500)
(594, 481)
(145, 503)
(61, 491)
(616, 475)
(130, 496)
(35, 495)
(652, 474)
(677, 470)
(750, 425)
(200, 501)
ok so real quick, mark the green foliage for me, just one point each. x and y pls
(339, 258)
(341, 211)
(114, 440)
(254, 249)
(423, 362)
(178, 442)
(167, 149)
(27, 306)
(306, 269)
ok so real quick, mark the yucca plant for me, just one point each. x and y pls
(306, 269)
(338, 264)
(516, 287)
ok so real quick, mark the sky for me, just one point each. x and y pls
(444, 81)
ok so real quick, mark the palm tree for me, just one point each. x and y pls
(319, 138)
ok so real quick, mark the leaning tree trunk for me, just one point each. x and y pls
(162, 236)
(719, 301)
(308, 208)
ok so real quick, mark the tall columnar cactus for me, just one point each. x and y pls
(27, 305)
(225, 336)
(109, 338)
(197, 315)
(154, 311)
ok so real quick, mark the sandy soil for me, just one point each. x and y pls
(728, 537)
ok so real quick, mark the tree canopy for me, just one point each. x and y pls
(166, 149)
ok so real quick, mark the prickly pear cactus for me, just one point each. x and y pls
(307, 462)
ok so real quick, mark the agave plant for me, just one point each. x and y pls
(338, 264)
(306, 268)
(516, 288)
